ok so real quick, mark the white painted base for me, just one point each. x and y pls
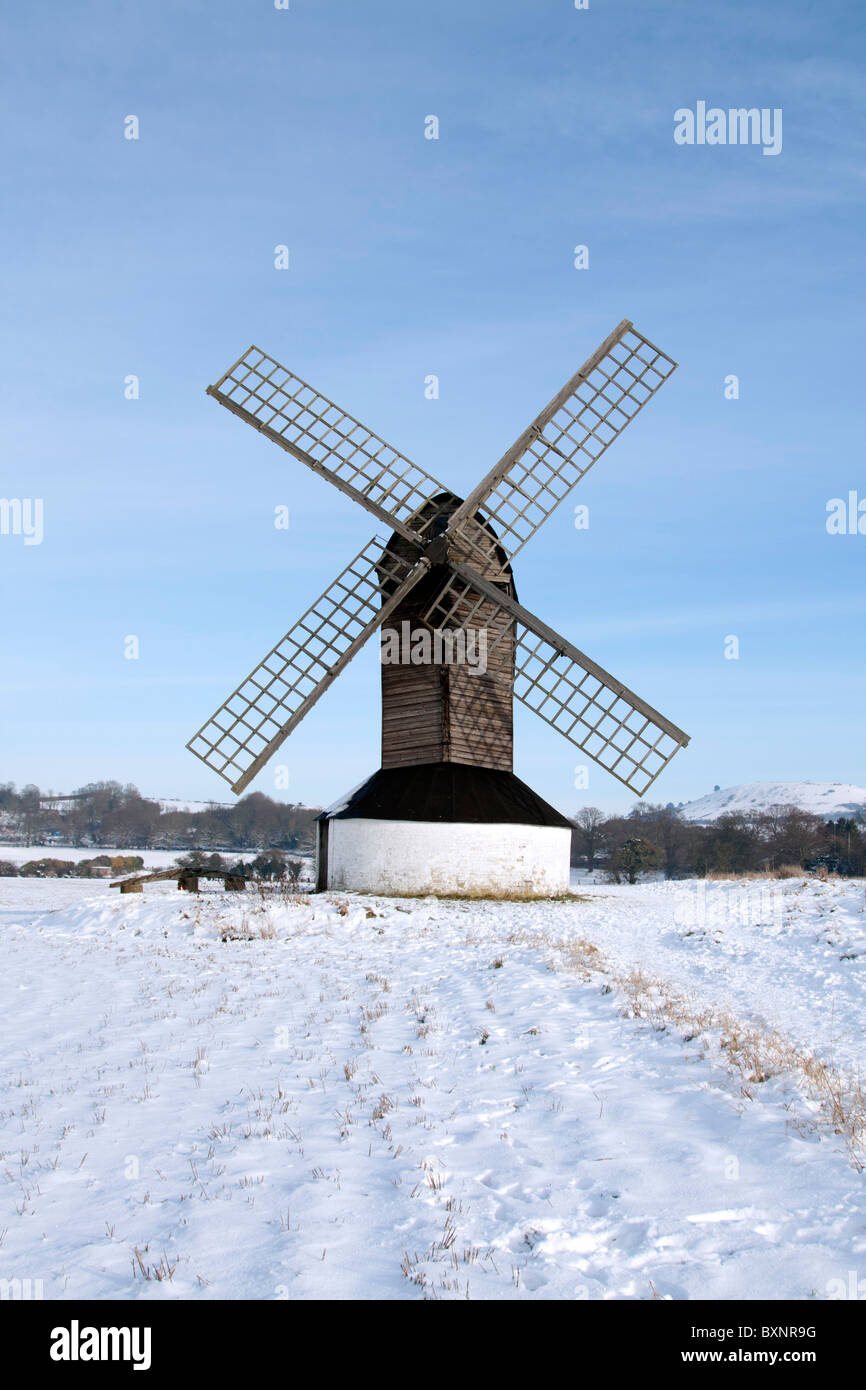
(407, 857)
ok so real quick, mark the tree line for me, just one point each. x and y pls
(649, 838)
(271, 865)
(657, 838)
(102, 866)
(109, 815)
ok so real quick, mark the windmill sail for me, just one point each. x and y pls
(594, 711)
(326, 438)
(564, 441)
(249, 727)
(567, 689)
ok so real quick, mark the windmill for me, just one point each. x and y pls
(445, 812)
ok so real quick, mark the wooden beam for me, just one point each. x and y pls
(497, 472)
(324, 472)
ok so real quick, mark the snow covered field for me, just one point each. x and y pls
(359, 1098)
(789, 955)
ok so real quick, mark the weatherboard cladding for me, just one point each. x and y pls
(447, 791)
(449, 713)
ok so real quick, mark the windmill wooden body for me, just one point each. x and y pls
(445, 813)
(448, 710)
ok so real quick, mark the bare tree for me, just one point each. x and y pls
(588, 822)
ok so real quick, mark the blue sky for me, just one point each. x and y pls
(412, 257)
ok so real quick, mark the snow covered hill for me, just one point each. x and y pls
(827, 799)
(231, 1098)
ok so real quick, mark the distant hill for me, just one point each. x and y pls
(827, 799)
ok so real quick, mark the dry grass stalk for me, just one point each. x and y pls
(752, 1053)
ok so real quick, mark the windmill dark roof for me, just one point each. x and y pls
(451, 792)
